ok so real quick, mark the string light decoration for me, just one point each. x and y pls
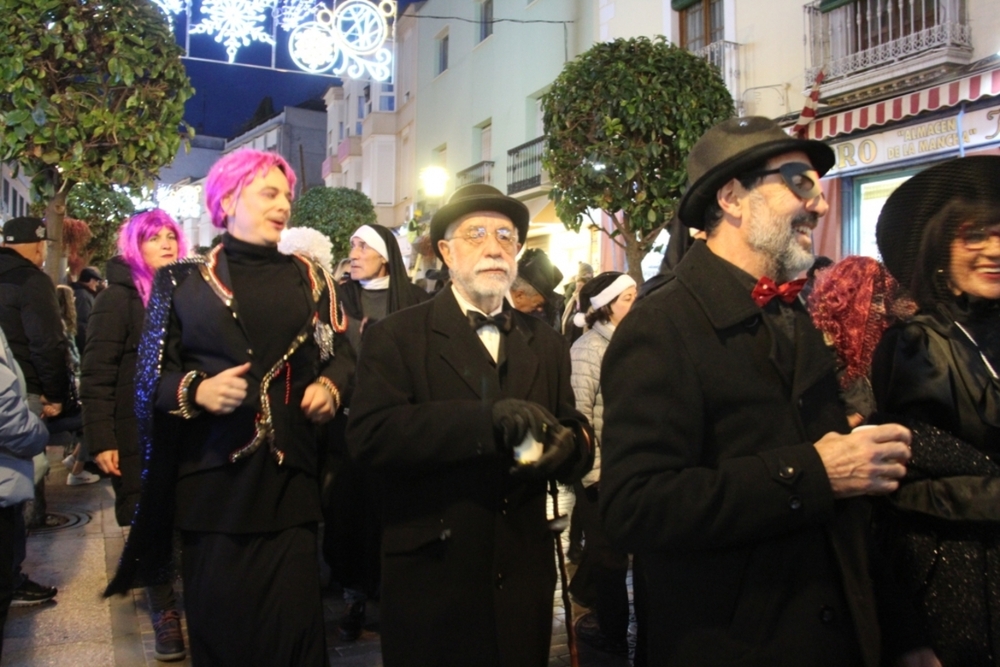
(349, 38)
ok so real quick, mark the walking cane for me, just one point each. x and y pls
(557, 525)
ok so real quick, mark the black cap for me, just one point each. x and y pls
(88, 274)
(24, 230)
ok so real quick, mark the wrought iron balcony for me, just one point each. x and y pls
(481, 172)
(524, 166)
(725, 56)
(852, 38)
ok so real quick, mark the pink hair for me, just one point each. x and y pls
(841, 307)
(235, 171)
(137, 230)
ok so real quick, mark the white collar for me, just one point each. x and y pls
(466, 306)
(382, 282)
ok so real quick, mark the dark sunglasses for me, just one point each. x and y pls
(800, 178)
(975, 237)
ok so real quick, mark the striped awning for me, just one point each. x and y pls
(942, 96)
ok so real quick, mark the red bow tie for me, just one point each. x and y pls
(766, 289)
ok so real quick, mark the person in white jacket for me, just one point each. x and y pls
(22, 436)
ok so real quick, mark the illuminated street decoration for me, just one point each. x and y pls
(349, 38)
(182, 202)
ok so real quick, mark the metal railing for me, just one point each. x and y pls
(524, 166)
(725, 56)
(866, 34)
(481, 172)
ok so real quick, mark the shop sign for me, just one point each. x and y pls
(917, 140)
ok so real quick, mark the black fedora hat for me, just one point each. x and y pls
(537, 270)
(474, 198)
(733, 147)
(904, 217)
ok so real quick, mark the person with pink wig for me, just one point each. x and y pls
(146, 242)
(242, 357)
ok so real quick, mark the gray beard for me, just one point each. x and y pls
(777, 243)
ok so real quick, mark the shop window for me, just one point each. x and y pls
(701, 22)
(870, 194)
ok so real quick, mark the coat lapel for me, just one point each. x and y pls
(521, 364)
(461, 349)
(813, 358)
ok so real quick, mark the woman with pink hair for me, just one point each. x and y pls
(241, 358)
(146, 242)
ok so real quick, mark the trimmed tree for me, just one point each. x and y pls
(619, 123)
(336, 212)
(90, 92)
(104, 209)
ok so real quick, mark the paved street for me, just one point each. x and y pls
(84, 630)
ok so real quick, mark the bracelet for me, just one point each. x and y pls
(185, 402)
(328, 384)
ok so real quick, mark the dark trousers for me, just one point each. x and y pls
(11, 521)
(253, 600)
(603, 571)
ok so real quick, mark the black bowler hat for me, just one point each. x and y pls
(732, 148)
(537, 270)
(904, 217)
(475, 198)
(24, 230)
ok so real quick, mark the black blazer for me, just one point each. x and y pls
(468, 569)
(709, 472)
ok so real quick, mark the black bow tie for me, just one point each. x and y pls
(501, 321)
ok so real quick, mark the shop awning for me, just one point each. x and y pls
(942, 96)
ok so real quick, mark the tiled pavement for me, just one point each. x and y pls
(83, 630)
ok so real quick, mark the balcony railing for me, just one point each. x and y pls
(481, 172)
(725, 56)
(524, 166)
(864, 35)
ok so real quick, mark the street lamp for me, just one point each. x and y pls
(434, 181)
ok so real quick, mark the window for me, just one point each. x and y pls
(442, 54)
(485, 19)
(387, 97)
(486, 142)
(701, 23)
(361, 115)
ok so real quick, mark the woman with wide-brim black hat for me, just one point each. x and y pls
(939, 234)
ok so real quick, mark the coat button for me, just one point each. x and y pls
(500, 580)
(250, 351)
(795, 503)
(235, 316)
(786, 472)
(827, 614)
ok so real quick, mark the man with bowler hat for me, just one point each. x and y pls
(728, 465)
(466, 406)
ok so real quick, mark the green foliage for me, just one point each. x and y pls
(90, 91)
(104, 209)
(619, 123)
(336, 212)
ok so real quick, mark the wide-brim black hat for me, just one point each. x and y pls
(732, 148)
(537, 270)
(474, 198)
(913, 204)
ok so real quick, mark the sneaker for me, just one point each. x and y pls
(69, 462)
(352, 622)
(30, 593)
(588, 630)
(169, 639)
(83, 478)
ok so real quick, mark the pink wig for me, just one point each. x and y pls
(137, 230)
(235, 171)
(853, 303)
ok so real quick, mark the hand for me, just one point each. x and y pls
(50, 410)
(921, 657)
(855, 419)
(560, 442)
(514, 418)
(107, 461)
(866, 462)
(318, 404)
(223, 393)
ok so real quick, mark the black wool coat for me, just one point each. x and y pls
(468, 571)
(709, 473)
(107, 382)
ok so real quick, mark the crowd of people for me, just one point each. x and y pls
(794, 477)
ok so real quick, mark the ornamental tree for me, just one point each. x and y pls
(619, 123)
(104, 209)
(336, 212)
(90, 92)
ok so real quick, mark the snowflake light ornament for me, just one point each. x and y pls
(291, 13)
(171, 7)
(350, 39)
(235, 23)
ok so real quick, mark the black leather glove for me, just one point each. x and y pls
(559, 445)
(513, 419)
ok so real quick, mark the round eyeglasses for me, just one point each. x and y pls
(505, 236)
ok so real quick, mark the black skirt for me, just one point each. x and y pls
(254, 599)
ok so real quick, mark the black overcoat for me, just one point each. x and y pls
(709, 472)
(468, 570)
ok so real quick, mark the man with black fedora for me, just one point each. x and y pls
(728, 468)
(534, 289)
(465, 405)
